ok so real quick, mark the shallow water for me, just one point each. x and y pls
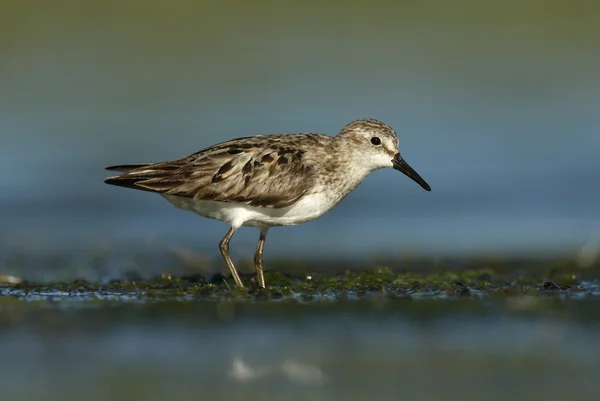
(516, 349)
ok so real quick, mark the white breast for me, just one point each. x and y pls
(307, 208)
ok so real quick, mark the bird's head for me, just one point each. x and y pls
(376, 144)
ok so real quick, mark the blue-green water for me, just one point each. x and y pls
(518, 349)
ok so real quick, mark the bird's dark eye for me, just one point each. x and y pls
(375, 140)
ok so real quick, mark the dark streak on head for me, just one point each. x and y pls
(392, 153)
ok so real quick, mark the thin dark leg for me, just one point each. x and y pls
(258, 258)
(224, 246)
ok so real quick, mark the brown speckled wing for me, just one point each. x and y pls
(269, 171)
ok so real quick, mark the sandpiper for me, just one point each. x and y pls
(265, 181)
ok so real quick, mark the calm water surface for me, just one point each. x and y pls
(419, 350)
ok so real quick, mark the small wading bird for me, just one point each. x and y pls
(265, 181)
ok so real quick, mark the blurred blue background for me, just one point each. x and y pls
(496, 104)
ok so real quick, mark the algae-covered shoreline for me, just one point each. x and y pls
(561, 278)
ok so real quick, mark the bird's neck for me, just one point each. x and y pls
(345, 174)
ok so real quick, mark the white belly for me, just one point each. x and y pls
(306, 209)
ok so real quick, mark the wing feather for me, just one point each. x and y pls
(262, 171)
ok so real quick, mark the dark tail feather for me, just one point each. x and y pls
(125, 167)
(128, 182)
(156, 177)
(125, 180)
(142, 177)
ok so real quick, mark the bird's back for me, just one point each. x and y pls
(269, 171)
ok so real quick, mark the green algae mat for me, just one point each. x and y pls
(560, 280)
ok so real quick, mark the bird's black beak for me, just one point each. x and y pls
(403, 167)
